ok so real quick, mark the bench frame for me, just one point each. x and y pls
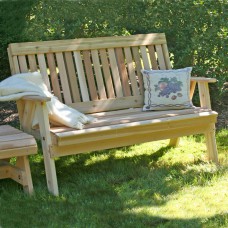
(101, 77)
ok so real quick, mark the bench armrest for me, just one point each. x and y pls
(202, 79)
(36, 98)
(33, 107)
(204, 94)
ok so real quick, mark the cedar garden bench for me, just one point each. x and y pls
(101, 77)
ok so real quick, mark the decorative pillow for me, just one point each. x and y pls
(167, 89)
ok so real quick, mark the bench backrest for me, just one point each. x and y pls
(93, 74)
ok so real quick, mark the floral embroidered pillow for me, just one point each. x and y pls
(167, 89)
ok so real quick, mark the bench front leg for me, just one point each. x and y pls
(211, 144)
(49, 162)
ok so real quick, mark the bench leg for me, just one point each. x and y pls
(49, 162)
(23, 163)
(50, 170)
(174, 142)
(211, 144)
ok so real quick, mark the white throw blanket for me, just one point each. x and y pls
(20, 85)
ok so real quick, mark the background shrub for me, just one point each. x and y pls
(196, 30)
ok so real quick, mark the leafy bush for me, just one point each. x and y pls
(196, 29)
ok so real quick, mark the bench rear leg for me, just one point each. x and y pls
(174, 142)
(211, 144)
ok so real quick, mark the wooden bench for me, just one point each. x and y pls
(15, 143)
(101, 76)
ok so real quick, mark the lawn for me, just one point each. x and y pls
(146, 185)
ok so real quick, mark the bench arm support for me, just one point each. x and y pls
(205, 101)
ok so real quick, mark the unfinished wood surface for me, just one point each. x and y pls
(204, 95)
(109, 105)
(32, 62)
(115, 73)
(49, 163)
(43, 70)
(138, 64)
(81, 76)
(28, 115)
(160, 55)
(146, 62)
(54, 76)
(131, 71)
(153, 58)
(166, 56)
(90, 76)
(73, 83)
(23, 64)
(63, 78)
(98, 75)
(86, 43)
(107, 74)
(123, 72)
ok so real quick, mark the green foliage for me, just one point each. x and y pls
(196, 29)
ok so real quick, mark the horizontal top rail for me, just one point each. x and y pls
(86, 44)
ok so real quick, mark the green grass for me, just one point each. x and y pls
(147, 185)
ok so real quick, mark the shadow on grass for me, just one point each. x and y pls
(106, 192)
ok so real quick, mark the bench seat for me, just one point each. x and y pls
(126, 127)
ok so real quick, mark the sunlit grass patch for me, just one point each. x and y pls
(145, 185)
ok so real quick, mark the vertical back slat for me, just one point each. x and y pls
(107, 75)
(63, 78)
(161, 59)
(54, 76)
(166, 56)
(81, 76)
(16, 65)
(153, 57)
(145, 59)
(43, 70)
(32, 63)
(12, 67)
(98, 75)
(136, 55)
(131, 71)
(115, 73)
(89, 75)
(123, 72)
(73, 83)
(23, 64)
